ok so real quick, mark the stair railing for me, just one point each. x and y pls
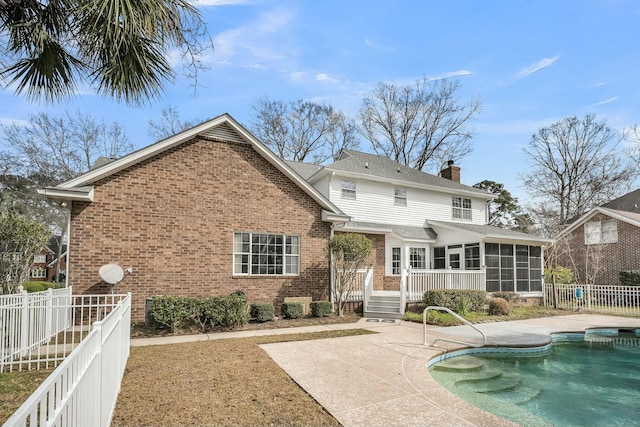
(457, 316)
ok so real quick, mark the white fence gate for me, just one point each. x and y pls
(82, 391)
(600, 298)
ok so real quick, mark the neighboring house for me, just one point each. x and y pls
(425, 222)
(45, 263)
(205, 212)
(603, 242)
(211, 210)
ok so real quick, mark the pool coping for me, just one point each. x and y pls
(379, 379)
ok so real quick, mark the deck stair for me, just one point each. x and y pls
(473, 375)
(384, 305)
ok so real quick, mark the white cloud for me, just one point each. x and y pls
(324, 77)
(258, 43)
(606, 101)
(543, 63)
(298, 76)
(450, 74)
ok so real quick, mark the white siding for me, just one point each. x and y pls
(322, 185)
(375, 203)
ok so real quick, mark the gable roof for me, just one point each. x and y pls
(378, 168)
(632, 218)
(222, 128)
(630, 202)
(490, 232)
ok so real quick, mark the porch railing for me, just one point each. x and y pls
(362, 286)
(420, 281)
(612, 299)
(83, 389)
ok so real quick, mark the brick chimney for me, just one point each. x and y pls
(451, 172)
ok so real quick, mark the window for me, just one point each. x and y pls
(461, 208)
(348, 189)
(472, 256)
(439, 258)
(266, 254)
(396, 261)
(597, 232)
(418, 258)
(400, 197)
(39, 259)
(502, 262)
(38, 272)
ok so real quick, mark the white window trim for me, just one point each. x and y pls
(286, 257)
(461, 212)
(399, 197)
(348, 189)
(601, 232)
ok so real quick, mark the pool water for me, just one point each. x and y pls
(590, 379)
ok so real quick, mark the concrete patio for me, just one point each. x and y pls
(382, 379)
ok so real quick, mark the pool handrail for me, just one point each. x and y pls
(457, 316)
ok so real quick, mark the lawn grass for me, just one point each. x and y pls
(517, 313)
(230, 382)
(16, 387)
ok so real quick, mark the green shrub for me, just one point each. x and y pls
(227, 311)
(630, 278)
(562, 274)
(291, 310)
(458, 301)
(321, 308)
(172, 311)
(499, 307)
(37, 286)
(262, 311)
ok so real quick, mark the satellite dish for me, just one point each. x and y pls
(111, 273)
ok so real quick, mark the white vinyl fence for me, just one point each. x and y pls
(40, 329)
(30, 320)
(599, 298)
(421, 281)
(83, 389)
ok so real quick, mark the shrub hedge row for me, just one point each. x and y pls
(630, 278)
(223, 311)
(37, 286)
(458, 301)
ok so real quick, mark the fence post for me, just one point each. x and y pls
(553, 291)
(48, 316)
(24, 322)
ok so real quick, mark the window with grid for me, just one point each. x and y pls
(396, 261)
(418, 258)
(38, 272)
(472, 256)
(400, 197)
(461, 208)
(39, 259)
(266, 254)
(348, 189)
(439, 258)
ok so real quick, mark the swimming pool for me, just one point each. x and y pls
(582, 379)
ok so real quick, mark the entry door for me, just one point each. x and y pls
(456, 259)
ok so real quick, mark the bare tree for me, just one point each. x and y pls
(169, 124)
(303, 130)
(576, 166)
(419, 125)
(59, 148)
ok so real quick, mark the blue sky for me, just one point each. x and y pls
(530, 62)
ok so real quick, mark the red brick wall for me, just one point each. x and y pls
(172, 218)
(623, 255)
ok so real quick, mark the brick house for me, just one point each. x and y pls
(45, 263)
(603, 242)
(205, 212)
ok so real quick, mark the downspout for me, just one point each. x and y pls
(66, 264)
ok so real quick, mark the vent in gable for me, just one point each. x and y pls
(223, 132)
